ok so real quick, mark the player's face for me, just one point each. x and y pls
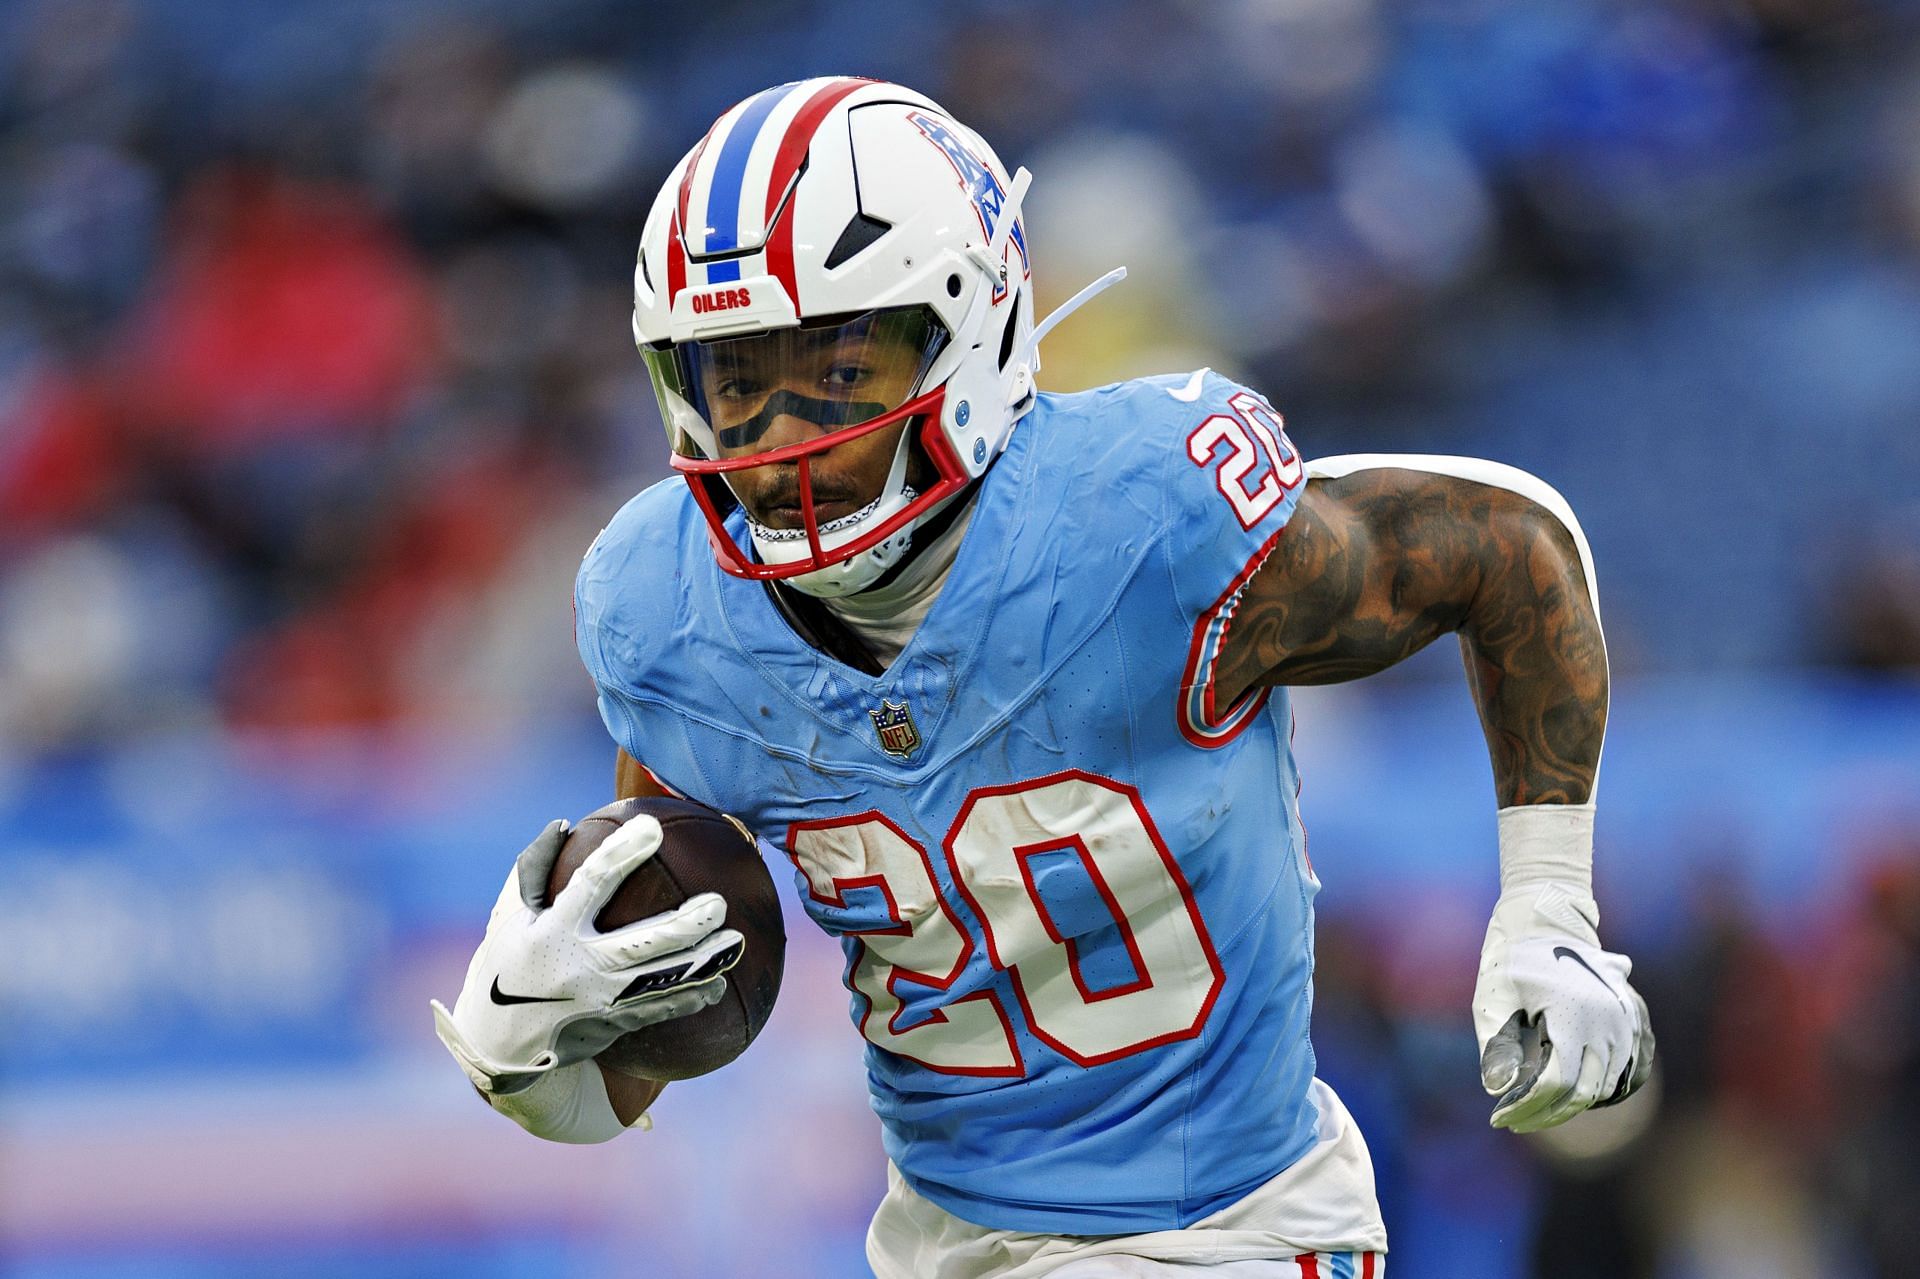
(784, 388)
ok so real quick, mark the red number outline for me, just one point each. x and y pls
(1173, 870)
(1249, 441)
(1281, 453)
(896, 973)
(1250, 507)
(1022, 854)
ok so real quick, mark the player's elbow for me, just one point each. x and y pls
(1546, 514)
(1534, 536)
(1555, 549)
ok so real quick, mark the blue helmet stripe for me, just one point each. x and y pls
(723, 200)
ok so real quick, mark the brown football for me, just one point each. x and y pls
(702, 851)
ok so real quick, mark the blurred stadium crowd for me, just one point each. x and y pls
(315, 380)
(1780, 1141)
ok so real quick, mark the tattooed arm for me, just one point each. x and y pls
(1378, 563)
(1382, 556)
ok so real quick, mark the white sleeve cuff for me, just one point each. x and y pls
(1547, 843)
(1546, 874)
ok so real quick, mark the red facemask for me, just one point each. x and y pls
(737, 559)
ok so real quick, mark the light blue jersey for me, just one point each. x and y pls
(1073, 891)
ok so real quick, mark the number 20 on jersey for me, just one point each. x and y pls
(1129, 879)
(1251, 442)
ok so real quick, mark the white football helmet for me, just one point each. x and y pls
(857, 218)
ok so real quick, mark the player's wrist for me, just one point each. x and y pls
(1560, 1028)
(1546, 844)
(491, 1076)
(1546, 875)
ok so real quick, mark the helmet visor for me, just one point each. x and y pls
(760, 391)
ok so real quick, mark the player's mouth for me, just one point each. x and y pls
(782, 509)
(825, 510)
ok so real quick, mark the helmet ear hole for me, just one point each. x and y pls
(1006, 337)
(953, 286)
(860, 233)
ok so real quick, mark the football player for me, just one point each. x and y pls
(1004, 673)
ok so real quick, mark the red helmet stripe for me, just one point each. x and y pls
(786, 164)
(676, 228)
(793, 146)
(686, 179)
(676, 262)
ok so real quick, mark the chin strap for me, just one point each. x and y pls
(1061, 312)
(926, 531)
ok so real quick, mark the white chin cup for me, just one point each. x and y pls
(856, 574)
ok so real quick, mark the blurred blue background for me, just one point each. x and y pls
(315, 382)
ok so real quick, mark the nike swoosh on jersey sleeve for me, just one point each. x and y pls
(1191, 391)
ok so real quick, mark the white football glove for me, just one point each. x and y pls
(546, 989)
(1560, 1029)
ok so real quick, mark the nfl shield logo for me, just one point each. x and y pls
(894, 722)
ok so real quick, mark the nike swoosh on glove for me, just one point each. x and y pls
(547, 989)
(1560, 1028)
